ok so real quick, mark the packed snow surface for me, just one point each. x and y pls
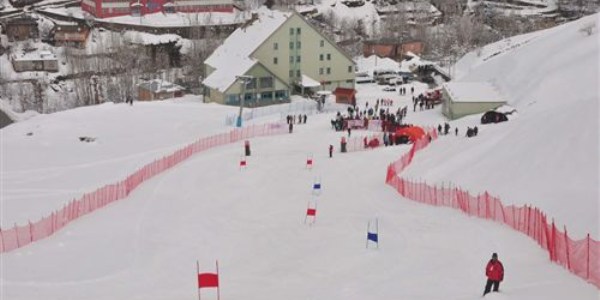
(252, 221)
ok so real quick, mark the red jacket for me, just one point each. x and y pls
(494, 270)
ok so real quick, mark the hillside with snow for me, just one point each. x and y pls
(548, 156)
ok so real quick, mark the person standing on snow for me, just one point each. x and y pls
(330, 151)
(495, 274)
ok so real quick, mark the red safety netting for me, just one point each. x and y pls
(581, 257)
(22, 235)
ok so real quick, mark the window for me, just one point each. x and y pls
(298, 30)
(291, 73)
(298, 58)
(275, 46)
(298, 44)
(298, 73)
(328, 56)
(291, 45)
(321, 57)
(328, 70)
(320, 71)
(322, 43)
(266, 96)
(349, 69)
(233, 99)
(291, 59)
(266, 82)
(251, 84)
(275, 60)
(291, 31)
(281, 95)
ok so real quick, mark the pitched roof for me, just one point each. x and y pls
(473, 92)
(233, 56)
(159, 85)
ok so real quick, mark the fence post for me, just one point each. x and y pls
(2, 241)
(588, 256)
(30, 231)
(17, 235)
(553, 241)
(567, 248)
(527, 215)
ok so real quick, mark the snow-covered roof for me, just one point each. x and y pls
(35, 55)
(159, 85)
(232, 58)
(65, 23)
(309, 82)
(143, 38)
(161, 20)
(473, 92)
(375, 63)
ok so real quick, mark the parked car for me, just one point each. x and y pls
(389, 89)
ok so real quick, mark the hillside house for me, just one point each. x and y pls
(277, 54)
(35, 61)
(115, 8)
(20, 28)
(70, 34)
(159, 89)
(392, 48)
(465, 98)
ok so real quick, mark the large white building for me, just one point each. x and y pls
(280, 52)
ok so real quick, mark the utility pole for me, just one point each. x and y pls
(244, 80)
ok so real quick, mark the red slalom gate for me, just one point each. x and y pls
(580, 257)
(22, 235)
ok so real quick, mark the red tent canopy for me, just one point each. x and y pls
(413, 132)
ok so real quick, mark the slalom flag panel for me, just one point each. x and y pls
(372, 237)
(309, 162)
(311, 212)
(373, 233)
(208, 280)
(243, 163)
(316, 186)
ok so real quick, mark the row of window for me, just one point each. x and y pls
(298, 45)
(263, 96)
(263, 83)
(299, 59)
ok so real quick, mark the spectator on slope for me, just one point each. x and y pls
(291, 127)
(456, 131)
(495, 274)
(475, 130)
(439, 129)
(305, 117)
(330, 151)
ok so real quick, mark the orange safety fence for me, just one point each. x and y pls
(580, 257)
(22, 235)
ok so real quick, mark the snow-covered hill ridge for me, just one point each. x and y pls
(548, 156)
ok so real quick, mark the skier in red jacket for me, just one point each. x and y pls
(495, 274)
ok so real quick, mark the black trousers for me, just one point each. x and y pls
(488, 286)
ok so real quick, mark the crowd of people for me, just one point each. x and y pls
(291, 120)
(445, 130)
(389, 120)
